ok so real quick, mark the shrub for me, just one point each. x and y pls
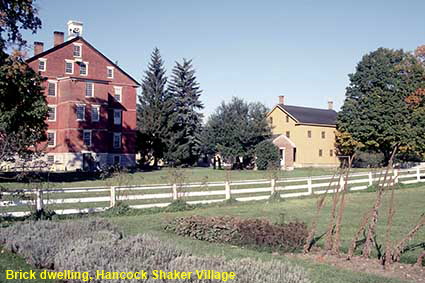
(246, 270)
(267, 155)
(39, 242)
(259, 233)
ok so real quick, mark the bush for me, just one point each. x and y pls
(267, 155)
(259, 233)
(95, 245)
(39, 242)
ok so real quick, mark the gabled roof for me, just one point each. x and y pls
(307, 115)
(48, 51)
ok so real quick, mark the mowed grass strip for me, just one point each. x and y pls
(164, 176)
(409, 206)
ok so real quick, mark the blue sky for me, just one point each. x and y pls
(252, 49)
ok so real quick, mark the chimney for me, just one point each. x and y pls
(330, 105)
(38, 47)
(75, 29)
(58, 38)
(281, 99)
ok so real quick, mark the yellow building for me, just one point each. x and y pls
(305, 136)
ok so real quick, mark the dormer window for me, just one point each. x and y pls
(42, 64)
(77, 49)
(110, 72)
(84, 68)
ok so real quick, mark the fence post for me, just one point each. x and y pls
(39, 199)
(370, 179)
(273, 186)
(395, 176)
(418, 174)
(174, 191)
(341, 183)
(227, 190)
(113, 196)
(309, 186)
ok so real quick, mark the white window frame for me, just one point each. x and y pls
(92, 89)
(98, 113)
(118, 89)
(53, 107)
(47, 158)
(84, 111)
(54, 138)
(120, 119)
(81, 50)
(45, 64)
(112, 69)
(91, 137)
(72, 66)
(119, 135)
(87, 69)
(56, 87)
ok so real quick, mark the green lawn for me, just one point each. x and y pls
(164, 176)
(409, 207)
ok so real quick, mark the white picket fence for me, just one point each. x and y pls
(96, 199)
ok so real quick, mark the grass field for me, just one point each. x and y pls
(409, 205)
(164, 176)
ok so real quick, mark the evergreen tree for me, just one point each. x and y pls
(185, 120)
(151, 112)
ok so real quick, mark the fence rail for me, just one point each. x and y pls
(96, 199)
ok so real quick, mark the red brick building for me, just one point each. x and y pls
(92, 104)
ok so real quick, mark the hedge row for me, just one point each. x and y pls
(96, 245)
(260, 233)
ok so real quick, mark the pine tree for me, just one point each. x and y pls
(151, 114)
(185, 120)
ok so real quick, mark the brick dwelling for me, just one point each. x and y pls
(92, 104)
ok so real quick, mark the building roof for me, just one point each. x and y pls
(44, 53)
(306, 115)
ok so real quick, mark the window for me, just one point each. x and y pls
(117, 116)
(323, 135)
(89, 89)
(50, 159)
(331, 152)
(42, 65)
(51, 139)
(87, 137)
(288, 134)
(51, 113)
(117, 93)
(84, 68)
(51, 88)
(117, 160)
(117, 140)
(295, 154)
(69, 66)
(80, 109)
(271, 120)
(77, 50)
(309, 134)
(287, 119)
(320, 152)
(110, 72)
(95, 113)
